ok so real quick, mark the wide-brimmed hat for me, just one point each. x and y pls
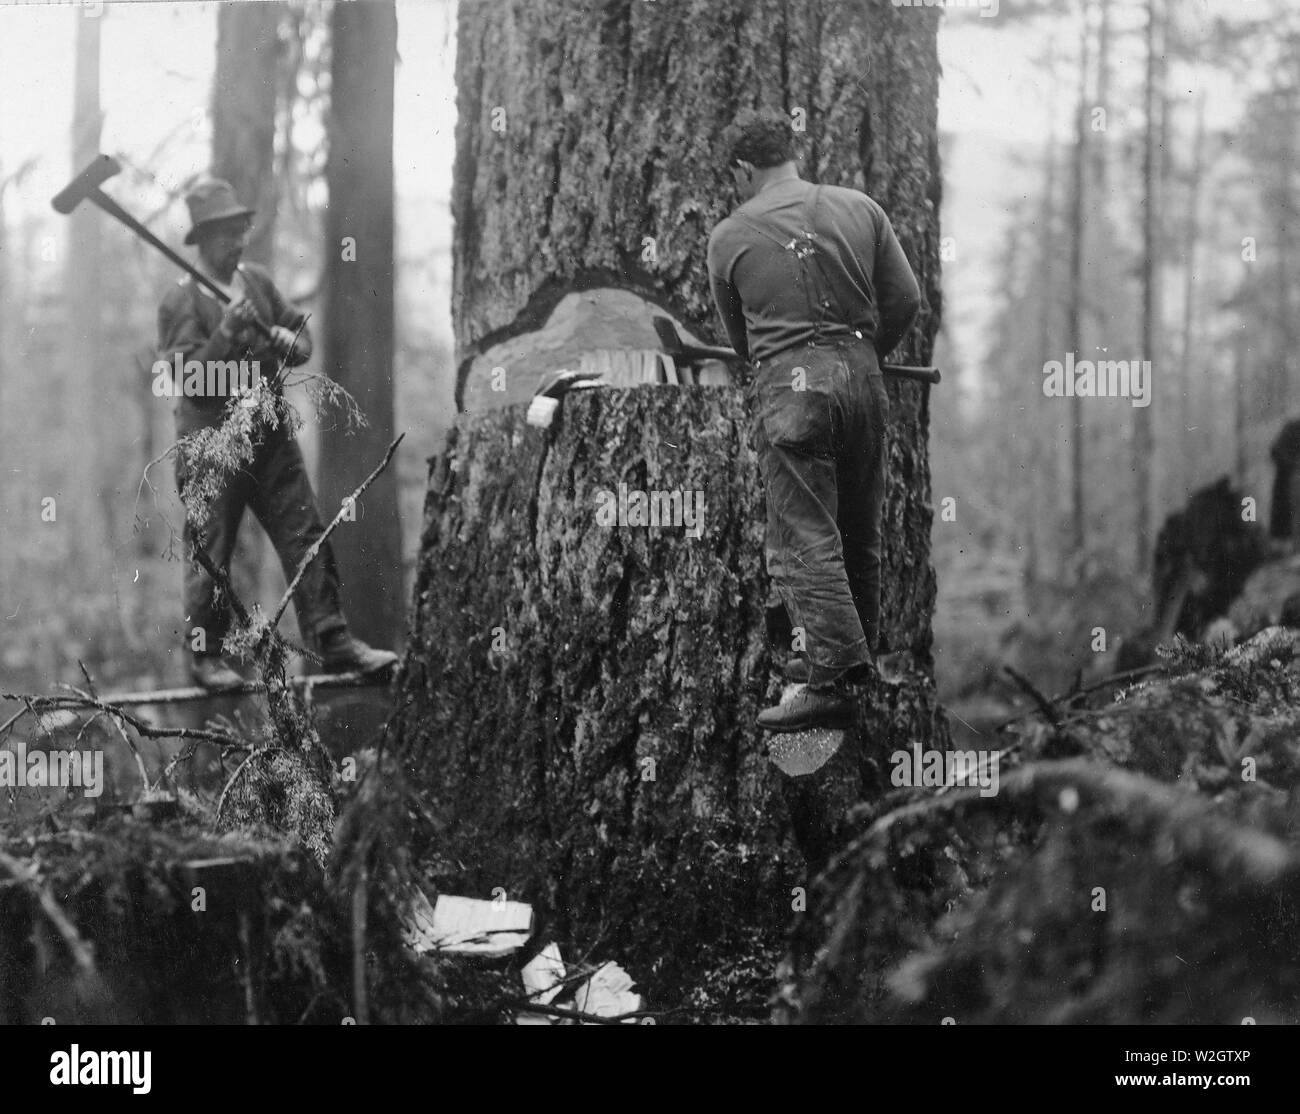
(212, 200)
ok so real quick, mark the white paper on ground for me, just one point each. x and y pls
(543, 977)
(608, 993)
(467, 925)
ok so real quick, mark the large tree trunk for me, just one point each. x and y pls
(359, 317)
(579, 699)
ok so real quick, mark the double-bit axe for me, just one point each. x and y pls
(85, 187)
(675, 346)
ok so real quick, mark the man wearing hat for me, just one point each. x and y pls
(274, 486)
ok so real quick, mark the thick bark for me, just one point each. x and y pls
(359, 315)
(578, 698)
(607, 130)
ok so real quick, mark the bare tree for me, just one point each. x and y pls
(359, 315)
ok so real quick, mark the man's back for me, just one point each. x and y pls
(849, 275)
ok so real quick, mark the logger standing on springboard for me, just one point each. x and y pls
(814, 290)
(274, 486)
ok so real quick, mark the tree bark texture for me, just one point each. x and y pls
(608, 119)
(577, 698)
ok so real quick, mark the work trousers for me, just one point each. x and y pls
(275, 487)
(820, 414)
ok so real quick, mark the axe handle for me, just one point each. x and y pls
(113, 209)
(920, 374)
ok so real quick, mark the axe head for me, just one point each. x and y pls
(673, 345)
(100, 169)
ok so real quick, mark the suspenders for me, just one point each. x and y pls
(804, 246)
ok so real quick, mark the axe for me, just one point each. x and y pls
(674, 346)
(85, 187)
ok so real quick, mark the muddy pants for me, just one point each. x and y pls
(820, 414)
(276, 489)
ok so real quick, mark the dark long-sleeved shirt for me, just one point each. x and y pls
(189, 317)
(776, 287)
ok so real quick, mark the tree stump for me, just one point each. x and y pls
(579, 698)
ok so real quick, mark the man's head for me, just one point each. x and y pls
(759, 143)
(220, 225)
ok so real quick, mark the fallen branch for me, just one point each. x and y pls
(248, 688)
(522, 1005)
(310, 555)
(36, 704)
(1105, 682)
(1044, 705)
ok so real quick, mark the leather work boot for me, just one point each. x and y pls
(342, 652)
(210, 672)
(809, 708)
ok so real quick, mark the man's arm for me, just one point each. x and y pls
(898, 297)
(727, 300)
(181, 330)
(285, 316)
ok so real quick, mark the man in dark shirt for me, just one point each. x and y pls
(813, 289)
(194, 326)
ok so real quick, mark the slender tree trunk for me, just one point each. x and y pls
(1239, 369)
(1047, 504)
(578, 698)
(1143, 429)
(1189, 368)
(84, 303)
(1285, 216)
(359, 314)
(244, 113)
(1074, 328)
(1100, 149)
